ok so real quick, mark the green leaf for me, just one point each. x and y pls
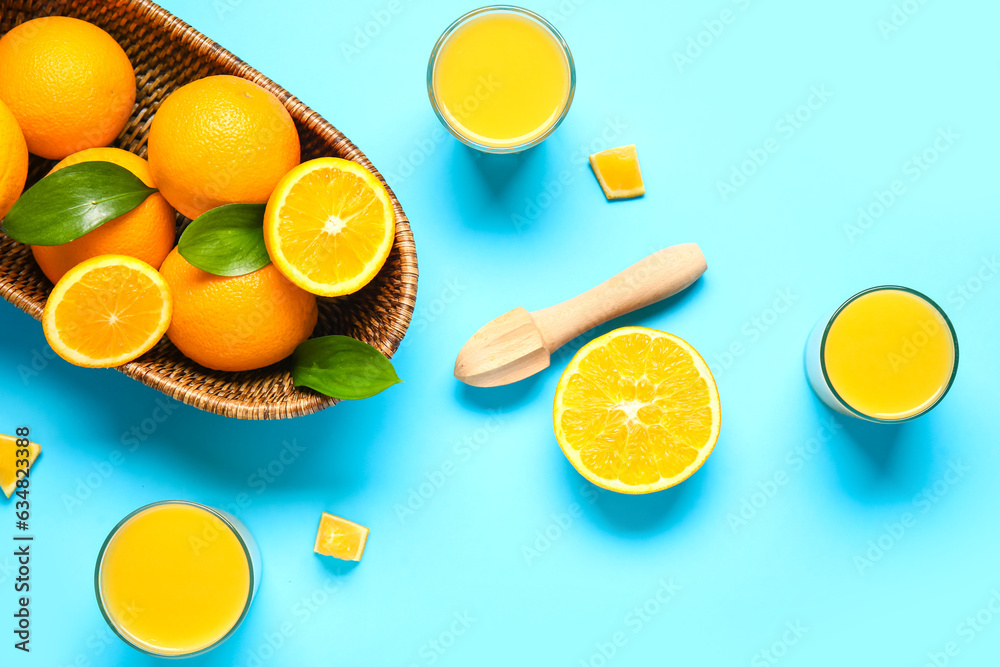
(75, 200)
(342, 367)
(227, 240)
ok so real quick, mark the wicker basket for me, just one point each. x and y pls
(166, 54)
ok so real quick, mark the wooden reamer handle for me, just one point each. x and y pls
(661, 275)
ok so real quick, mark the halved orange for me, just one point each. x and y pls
(107, 311)
(340, 538)
(12, 454)
(617, 170)
(329, 226)
(637, 410)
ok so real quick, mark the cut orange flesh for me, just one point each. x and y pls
(329, 226)
(107, 311)
(637, 411)
(617, 170)
(10, 458)
(340, 538)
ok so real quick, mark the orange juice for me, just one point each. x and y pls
(176, 578)
(501, 78)
(888, 354)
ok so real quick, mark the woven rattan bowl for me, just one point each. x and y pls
(166, 54)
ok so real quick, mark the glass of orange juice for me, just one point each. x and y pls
(501, 79)
(887, 354)
(175, 578)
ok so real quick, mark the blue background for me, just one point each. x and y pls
(490, 237)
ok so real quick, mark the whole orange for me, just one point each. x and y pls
(220, 140)
(238, 323)
(68, 83)
(13, 160)
(146, 232)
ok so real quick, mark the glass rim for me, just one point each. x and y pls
(100, 562)
(840, 309)
(491, 9)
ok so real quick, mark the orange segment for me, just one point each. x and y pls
(9, 456)
(617, 170)
(107, 311)
(340, 538)
(329, 226)
(637, 410)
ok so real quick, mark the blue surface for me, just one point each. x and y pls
(666, 579)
